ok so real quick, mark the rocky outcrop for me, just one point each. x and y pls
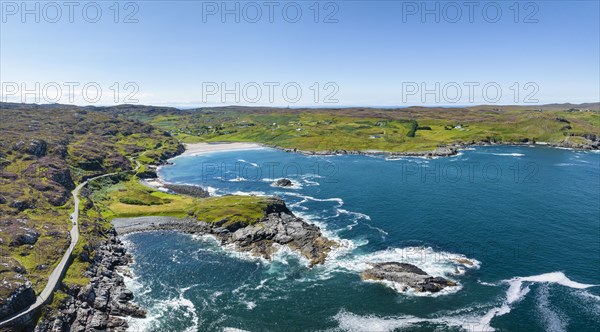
(23, 235)
(281, 228)
(101, 305)
(283, 183)
(407, 275)
(438, 152)
(22, 205)
(34, 147)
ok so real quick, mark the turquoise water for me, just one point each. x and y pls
(527, 217)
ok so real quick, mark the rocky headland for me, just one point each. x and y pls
(278, 227)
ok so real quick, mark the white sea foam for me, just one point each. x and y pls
(305, 198)
(552, 320)
(237, 179)
(354, 323)
(249, 193)
(590, 302)
(212, 191)
(250, 305)
(247, 162)
(356, 214)
(382, 233)
(555, 278)
(517, 291)
(306, 178)
(464, 319)
(509, 154)
(165, 308)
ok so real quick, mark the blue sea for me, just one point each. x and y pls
(517, 227)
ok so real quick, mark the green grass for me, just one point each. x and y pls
(372, 129)
(132, 199)
(231, 209)
(75, 273)
(123, 200)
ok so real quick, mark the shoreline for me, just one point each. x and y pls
(449, 150)
(193, 149)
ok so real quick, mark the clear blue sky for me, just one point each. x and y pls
(370, 53)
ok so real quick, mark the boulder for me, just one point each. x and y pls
(35, 147)
(24, 236)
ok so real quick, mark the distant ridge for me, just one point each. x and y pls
(150, 108)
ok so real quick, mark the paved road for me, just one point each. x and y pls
(61, 268)
(55, 276)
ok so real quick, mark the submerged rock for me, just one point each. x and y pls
(407, 275)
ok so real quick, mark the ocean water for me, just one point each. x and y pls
(526, 218)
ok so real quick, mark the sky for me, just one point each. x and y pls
(300, 53)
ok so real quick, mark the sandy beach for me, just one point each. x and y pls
(199, 148)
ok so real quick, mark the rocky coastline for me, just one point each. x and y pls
(592, 143)
(105, 303)
(101, 305)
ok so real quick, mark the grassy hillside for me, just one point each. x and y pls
(44, 153)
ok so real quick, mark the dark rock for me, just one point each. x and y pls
(283, 183)
(407, 275)
(194, 191)
(147, 174)
(35, 147)
(41, 267)
(19, 269)
(98, 321)
(24, 236)
(22, 297)
(21, 205)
